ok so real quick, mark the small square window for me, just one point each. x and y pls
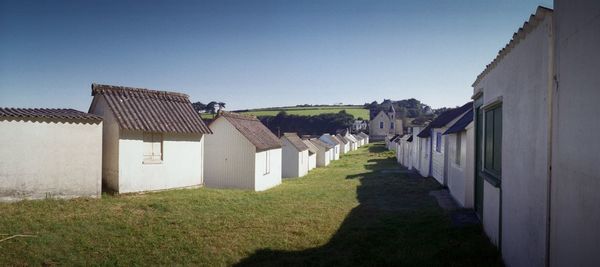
(438, 142)
(153, 146)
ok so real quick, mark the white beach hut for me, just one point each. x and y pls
(152, 140)
(329, 139)
(294, 156)
(243, 153)
(324, 153)
(312, 154)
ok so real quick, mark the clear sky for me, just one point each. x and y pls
(253, 53)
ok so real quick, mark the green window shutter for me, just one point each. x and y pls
(497, 140)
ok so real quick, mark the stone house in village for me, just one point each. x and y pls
(384, 123)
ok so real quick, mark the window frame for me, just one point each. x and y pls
(381, 125)
(438, 142)
(458, 149)
(492, 169)
(391, 125)
(154, 158)
(267, 162)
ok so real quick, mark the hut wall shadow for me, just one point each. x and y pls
(396, 223)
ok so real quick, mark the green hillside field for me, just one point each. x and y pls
(356, 111)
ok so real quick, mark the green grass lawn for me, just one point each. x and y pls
(308, 111)
(349, 213)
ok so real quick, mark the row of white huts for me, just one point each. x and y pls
(524, 154)
(135, 140)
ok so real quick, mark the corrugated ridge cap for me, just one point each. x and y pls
(534, 20)
(50, 113)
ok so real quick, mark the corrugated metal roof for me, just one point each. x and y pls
(48, 113)
(461, 123)
(363, 135)
(256, 132)
(444, 119)
(341, 138)
(295, 141)
(151, 110)
(311, 147)
(318, 142)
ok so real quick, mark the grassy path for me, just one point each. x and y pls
(346, 214)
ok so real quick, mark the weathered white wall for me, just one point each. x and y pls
(575, 197)
(230, 158)
(290, 160)
(263, 180)
(110, 143)
(491, 212)
(323, 156)
(424, 146)
(312, 161)
(181, 165)
(521, 81)
(50, 159)
(461, 178)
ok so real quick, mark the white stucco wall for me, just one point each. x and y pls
(461, 178)
(491, 212)
(230, 161)
(575, 197)
(181, 166)
(263, 179)
(521, 81)
(50, 159)
(110, 143)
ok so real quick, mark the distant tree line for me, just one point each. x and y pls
(308, 125)
(212, 107)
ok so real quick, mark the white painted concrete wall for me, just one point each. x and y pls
(110, 143)
(491, 212)
(267, 179)
(50, 159)
(312, 161)
(230, 161)
(461, 178)
(521, 80)
(575, 197)
(182, 164)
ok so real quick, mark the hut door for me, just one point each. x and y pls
(478, 160)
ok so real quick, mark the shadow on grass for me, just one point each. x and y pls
(396, 223)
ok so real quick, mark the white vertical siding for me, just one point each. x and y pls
(267, 174)
(290, 159)
(461, 181)
(303, 164)
(230, 160)
(312, 161)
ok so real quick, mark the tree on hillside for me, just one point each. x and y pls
(199, 107)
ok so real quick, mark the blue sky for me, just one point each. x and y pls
(252, 53)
